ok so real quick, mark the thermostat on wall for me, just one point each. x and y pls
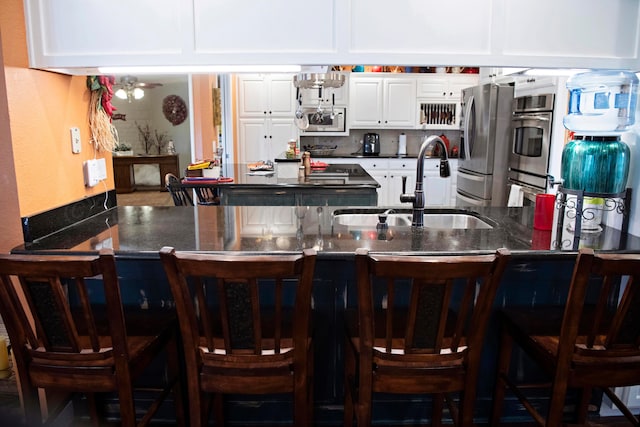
(94, 171)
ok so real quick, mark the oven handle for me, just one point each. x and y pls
(467, 119)
(529, 192)
(536, 118)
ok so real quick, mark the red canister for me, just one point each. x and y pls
(543, 213)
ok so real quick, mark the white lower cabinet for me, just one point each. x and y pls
(397, 170)
(279, 220)
(264, 139)
(439, 192)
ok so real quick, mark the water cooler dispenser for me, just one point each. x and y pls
(595, 162)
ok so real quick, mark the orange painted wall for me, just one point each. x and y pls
(10, 228)
(205, 135)
(43, 106)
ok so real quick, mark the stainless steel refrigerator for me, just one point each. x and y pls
(484, 145)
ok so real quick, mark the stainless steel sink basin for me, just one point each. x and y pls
(442, 219)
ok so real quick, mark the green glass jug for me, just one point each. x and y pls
(595, 164)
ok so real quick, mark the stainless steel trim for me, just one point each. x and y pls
(467, 119)
(517, 117)
(463, 200)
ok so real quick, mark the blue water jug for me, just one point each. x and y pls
(601, 102)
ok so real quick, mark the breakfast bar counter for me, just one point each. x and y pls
(535, 275)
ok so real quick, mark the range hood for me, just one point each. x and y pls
(318, 77)
(318, 80)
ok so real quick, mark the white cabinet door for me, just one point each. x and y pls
(437, 190)
(383, 191)
(282, 95)
(365, 102)
(458, 82)
(253, 144)
(270, 32)
(399, 108)
(432, 86)
(382, 102)
(264, 139)
(260, 222)
(439, 100)
(399, 168)
(281, 131)
(266, 95)
(63, 34)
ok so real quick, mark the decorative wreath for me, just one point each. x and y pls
(174, 109)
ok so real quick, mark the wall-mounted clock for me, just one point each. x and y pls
(174, 109)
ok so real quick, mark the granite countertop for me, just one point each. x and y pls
(139, 230)
(343, 176)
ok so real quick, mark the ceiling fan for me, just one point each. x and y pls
(130, 88)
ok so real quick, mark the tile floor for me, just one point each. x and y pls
(144, 198)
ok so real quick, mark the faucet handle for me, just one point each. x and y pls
(445, 171)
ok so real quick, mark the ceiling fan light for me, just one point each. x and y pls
(121, 93)
(138, 93)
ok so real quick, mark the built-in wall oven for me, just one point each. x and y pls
(532, 121)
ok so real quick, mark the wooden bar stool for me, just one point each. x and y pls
(424, 335)
(593, 341)
(64, 342)
(246, 327)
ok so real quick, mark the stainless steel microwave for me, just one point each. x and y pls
(329, 121)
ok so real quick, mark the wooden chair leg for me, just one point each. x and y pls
(92, 407)
(127, 406)
(437, 405)
(31, 403)
(504, 362)
(218, 408)
(173, 366)
(583, 406)
(556, 404)
(310, 382)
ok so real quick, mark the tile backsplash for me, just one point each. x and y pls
(352, 144)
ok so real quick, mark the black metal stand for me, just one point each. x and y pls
(613, 202)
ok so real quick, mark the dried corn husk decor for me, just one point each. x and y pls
(103, 133)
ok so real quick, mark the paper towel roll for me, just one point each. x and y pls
(516, 196)
(402, 144)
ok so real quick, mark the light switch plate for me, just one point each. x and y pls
(94, 171)
(75, 140)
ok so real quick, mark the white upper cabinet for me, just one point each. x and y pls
(266, 107)
(504, 33)
(79, 33)
(76, 34)
(382, 102)
(261, 95)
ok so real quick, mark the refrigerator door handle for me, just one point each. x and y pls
(470, 176)
(470, 200)
(467, 119)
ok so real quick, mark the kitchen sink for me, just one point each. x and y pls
(442, 219)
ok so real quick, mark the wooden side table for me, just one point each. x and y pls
(124, 177)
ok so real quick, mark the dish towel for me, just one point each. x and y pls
(516, 196)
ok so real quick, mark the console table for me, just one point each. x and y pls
(124, 177)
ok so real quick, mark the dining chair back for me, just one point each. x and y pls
(419, 329)
(245, 322)
(591, 342)
(180, 196)
(69, 333)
